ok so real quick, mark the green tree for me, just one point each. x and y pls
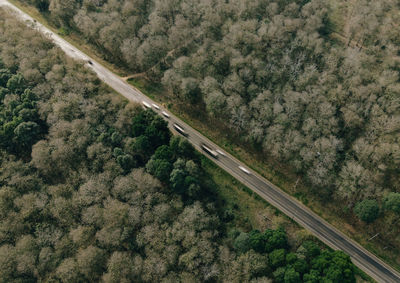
(159, 168)
(291, 258)
(312, 277)
(279, 274)
(182, 148)
(158, 131)
(341, 269)
(141, 121)
(126, 162)
(367, 210)
(177, 180)
(116, 138)
(42, 5)
(334, 266)
(5, 75)
(16, 83)
(300, 266)
(3, 93)
(392, 202)
(163, 152)
(241, 243)
(257, 241)
(26, 133)
(142, 147)
(291, 276)
(190, 90)
(277, 258)
(275, 239)
(308, 250)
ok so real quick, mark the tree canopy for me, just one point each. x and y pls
(274, 72)
(94, 188)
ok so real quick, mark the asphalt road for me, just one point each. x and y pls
(365, 260)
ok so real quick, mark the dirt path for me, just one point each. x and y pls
(137, 75)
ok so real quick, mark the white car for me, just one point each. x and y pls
(211, 152)
(165, 114)
(220, 152)
(145, 104)
(244, 170)
(155, 106)
(180, 130)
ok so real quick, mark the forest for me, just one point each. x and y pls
(270, 71)
(93, 188)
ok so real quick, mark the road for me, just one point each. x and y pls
(365, 260)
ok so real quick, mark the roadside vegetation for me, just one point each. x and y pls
(93, 188)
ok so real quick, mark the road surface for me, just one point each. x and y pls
(365, 260)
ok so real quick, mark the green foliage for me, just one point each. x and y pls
(26, 133)
(141, 122)
(63, 31)
(279, 274)
(275, 239)
(177, 180)
(182, 148)
(300, 266)
(242, 243)
(163, 152)
(42, 5)
(20, 125)
(190, 90)
(291, 276)
(312, 277)
(16, 83)
(257, 241)
(160, 168)
(392, 202)
(126, 161)
(309, 250)
(367, 210)
(116, 138)
(142, 145)
(277, 258)
(5, 75)
(334, 266)
(291, 258)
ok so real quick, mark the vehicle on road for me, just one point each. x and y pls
(165, 114)
(207, 149)
(220, 152)
(245, 170)
(155, 106)
(90, 62)
(146, 105)
(180, 130)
